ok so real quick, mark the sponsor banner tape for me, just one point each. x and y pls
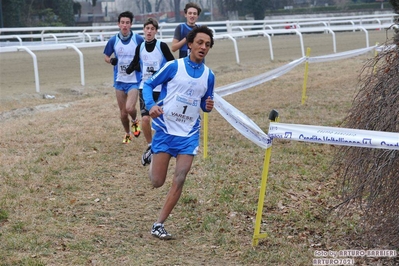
(241, 122)
(251, 131)
(335, 136)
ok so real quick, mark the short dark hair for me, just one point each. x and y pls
(194, 5)
(152, 21)
(199, 29)
(126, 14)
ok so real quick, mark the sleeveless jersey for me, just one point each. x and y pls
(184, 30)
(125, 54)
(182, 103)
(150, 62)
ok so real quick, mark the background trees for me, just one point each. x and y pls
(30, 13)
(177, 9)
(13, 13)
(256, 8)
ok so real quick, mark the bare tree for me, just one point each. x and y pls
(134, 6)
(158, 4)
(370, 177)
(342, 3)
(177, 9)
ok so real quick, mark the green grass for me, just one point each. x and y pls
(49, 184)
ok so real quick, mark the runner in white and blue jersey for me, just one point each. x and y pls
(187, 88)
(123, 46)
(150, 56)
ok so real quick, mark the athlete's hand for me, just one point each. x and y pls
(113, 61)
(209, 103)
(156, 111)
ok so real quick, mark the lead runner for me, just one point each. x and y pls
(187, 88)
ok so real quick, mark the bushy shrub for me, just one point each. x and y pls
(370, 177)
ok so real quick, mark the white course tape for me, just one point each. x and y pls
(262, 78)
(385, 47)
(328, 135)
(335, 136)
(241, 122)
(338, 56)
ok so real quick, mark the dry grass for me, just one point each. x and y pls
(72, 194)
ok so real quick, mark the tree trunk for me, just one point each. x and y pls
(177, 10)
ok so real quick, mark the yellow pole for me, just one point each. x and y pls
(305, 79)
(205, 135)
(257, 235)
(261, 200)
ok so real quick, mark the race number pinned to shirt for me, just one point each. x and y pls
(184, 111)
(122, 66)
(150, 67)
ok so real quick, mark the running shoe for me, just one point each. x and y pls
(127, 138)
(136, 128)
(158, 230)
(147, 156)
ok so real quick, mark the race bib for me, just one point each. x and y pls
(184, 110)
(150, 67)
(123, 65)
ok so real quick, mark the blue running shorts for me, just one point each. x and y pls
(174, 145)
(126, 87)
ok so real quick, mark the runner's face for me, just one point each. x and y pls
(200, 47)
(191, 16)
(124, 25)
(149, 32)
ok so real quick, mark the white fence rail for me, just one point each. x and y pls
(44, 35)
(58, 38)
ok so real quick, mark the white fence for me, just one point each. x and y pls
(43, 35)
(58, 38)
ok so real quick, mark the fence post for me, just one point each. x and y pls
(305, 79)
(228, 26)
